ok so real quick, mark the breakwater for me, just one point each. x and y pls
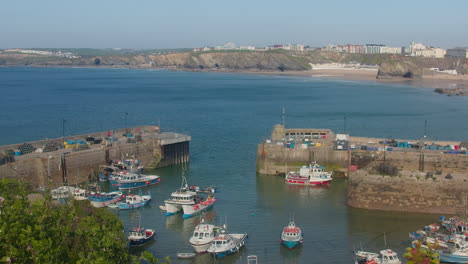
(73, 160)
(384, 174)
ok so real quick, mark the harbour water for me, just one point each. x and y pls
(227, 115)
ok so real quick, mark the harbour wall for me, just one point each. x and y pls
(52, 169)
(411, 191)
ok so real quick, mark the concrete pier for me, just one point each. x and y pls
(73, 166)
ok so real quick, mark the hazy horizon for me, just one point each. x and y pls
(163, 25)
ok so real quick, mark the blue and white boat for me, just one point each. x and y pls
(134, 180)
(132, 201)
(102, 199)
(457, 254)
(139, 236)
(188, 200)
(226, 244)
(291, 236)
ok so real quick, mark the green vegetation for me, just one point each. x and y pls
(422, 255)
(42, 231)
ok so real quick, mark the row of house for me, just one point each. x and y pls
(68, 55)
(233, 46)
(413, 49)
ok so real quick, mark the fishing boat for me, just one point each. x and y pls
(139, 236)
(132, 201)
(202, 236)
(291, 236)
(134, 180)
(200, 205)
(225, 244)
(456, 254)
(387, 256)
(80, 194)
(309, 175)
(102, 199)
(62, 192)
(187, 200)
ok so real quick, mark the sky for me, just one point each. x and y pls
(153, 24)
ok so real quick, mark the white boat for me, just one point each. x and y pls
(455, 254)
(225, 244)
(103, 199)
(62, 192)
(309, 175)
(132, 201)
(202, 236)
(188, 201)
(291, 236)
(80, 194)
(134, 180)
(387, 256)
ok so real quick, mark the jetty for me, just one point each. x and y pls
(76, 159)
(383, 174)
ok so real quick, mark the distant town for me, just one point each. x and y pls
(413, 49)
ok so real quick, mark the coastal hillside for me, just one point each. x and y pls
(390, 66)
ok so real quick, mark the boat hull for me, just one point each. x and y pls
(307, 182)
(103, 203)
(172, 208)
(201, 248)
(240, 243)
(192, 210)
(291, 244)
(140, 242)
(136, 184)
(452, 258)
(126, 206)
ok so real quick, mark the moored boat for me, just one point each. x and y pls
(139, 236)
(309, 175)
(80, 194)
(225, 244)
(62, 192)
(456, 252)
(291, 236)
(102, 199)
(387, 256)
(133, 201)
(187, 200)
(202, 236)
(133, 180)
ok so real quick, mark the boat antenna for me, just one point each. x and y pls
(385, 239)
(360, 243)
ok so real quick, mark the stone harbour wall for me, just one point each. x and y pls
(411, 191)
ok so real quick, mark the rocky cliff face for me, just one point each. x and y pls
(391, 66)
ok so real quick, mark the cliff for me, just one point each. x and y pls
(390, 66)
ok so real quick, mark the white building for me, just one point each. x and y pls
(391, 50)
(413, 47)
(431, 53)
(374, 48)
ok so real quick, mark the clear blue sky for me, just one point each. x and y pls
(194, 23)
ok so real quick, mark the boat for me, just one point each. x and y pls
(187, 200)
(80, 194)
(132, 201)
(309, 175)
(139, 236)
(103, 199)
(62, 192)
(291, 236)
(187, 255)
(202, 236)
(226, 244)
(387, 256)
(134, 180)
(456, 254)
(199, 206)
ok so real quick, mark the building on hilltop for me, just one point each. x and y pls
(374, 48)
(391, 50)
(457, 53)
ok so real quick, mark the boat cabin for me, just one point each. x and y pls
(184, 195)
(388, 256)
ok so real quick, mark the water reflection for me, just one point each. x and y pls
(186, 226)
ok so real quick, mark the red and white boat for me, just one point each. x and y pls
(309, 175)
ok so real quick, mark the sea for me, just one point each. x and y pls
(227, 115)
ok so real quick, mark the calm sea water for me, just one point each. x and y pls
(227, 115)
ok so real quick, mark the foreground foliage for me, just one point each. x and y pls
(422, 255)
(41, 231)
